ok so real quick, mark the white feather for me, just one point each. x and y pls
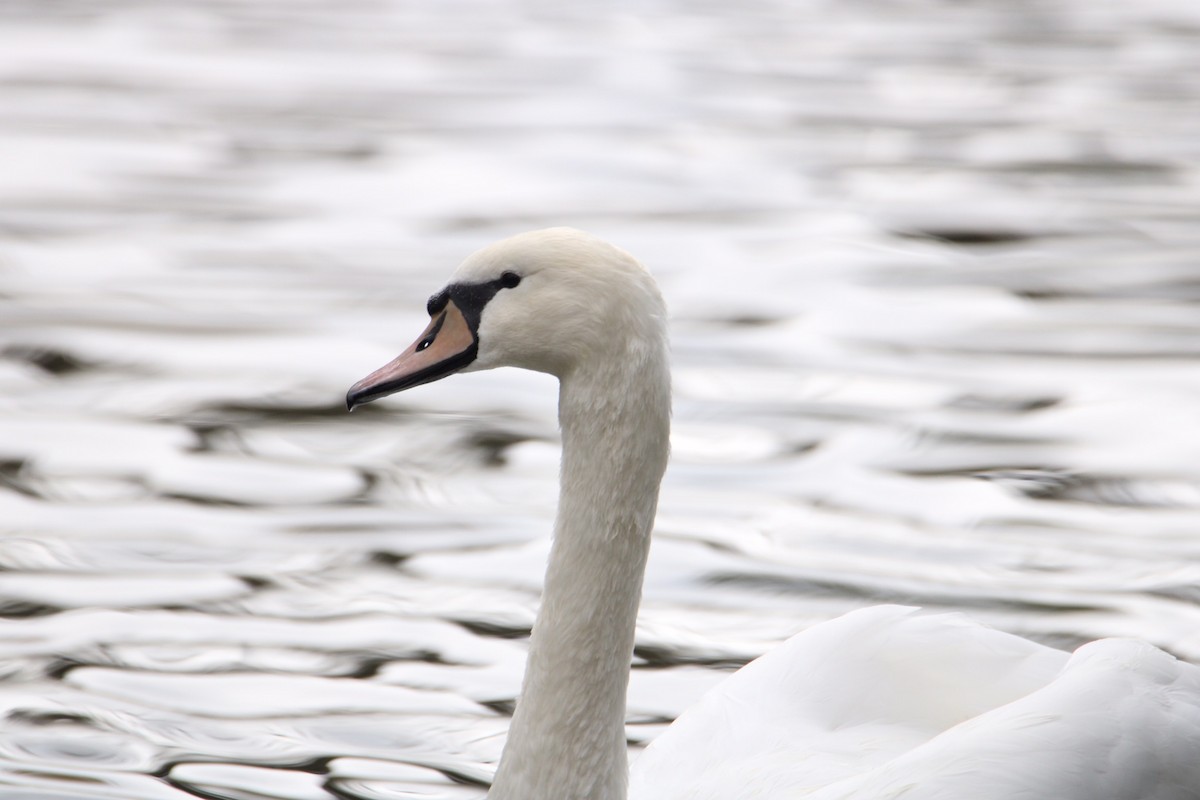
(884, 703)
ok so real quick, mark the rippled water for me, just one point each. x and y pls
(934, 271)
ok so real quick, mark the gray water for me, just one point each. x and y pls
(934, 273)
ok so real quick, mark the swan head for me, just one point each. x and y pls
(557, 300)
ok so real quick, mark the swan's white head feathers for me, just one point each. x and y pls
(556, 300)
(579, 299)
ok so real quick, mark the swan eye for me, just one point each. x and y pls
(509, 279)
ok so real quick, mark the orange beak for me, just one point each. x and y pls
(447, 345)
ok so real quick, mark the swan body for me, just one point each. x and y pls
(886, 702)
(881, 703)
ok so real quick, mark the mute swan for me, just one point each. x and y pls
(880, 703)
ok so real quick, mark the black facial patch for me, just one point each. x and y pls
(471, 298)
(437, 302)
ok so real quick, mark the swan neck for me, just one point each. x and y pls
(567, 739)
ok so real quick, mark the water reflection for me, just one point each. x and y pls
(932, 271)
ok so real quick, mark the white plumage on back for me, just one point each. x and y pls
(886, 702)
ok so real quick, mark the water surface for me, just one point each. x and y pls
(933, 271)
